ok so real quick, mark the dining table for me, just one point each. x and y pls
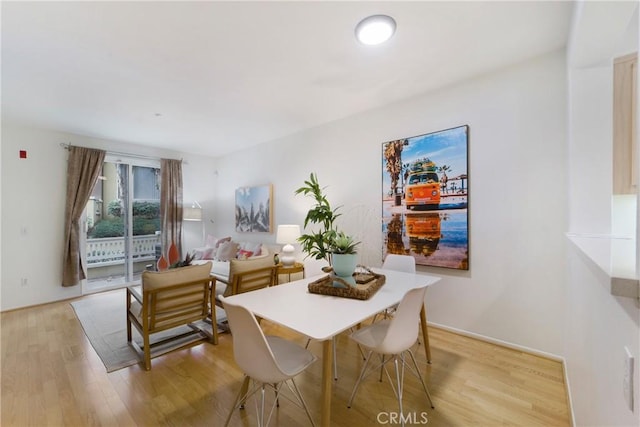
(321, 317)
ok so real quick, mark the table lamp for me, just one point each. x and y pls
(287, 235)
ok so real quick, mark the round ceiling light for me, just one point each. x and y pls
(375, 29)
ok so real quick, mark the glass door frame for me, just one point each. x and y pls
(127, 206)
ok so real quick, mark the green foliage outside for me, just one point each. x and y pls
(146, 220)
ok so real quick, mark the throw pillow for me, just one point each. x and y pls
(204, 252)
(226, 251)
(214, 242)
(252, 247)
(242, 254)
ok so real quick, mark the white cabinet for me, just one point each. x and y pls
(625, 74)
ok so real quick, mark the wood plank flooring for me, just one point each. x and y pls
(51, 376)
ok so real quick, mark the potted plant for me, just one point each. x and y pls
(326, 242)
(344, 255)
(318, 243)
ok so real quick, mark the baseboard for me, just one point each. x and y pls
(522, 348)
(568, 389)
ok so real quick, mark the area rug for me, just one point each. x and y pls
(103, 318)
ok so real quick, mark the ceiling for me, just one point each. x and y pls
(215, 77)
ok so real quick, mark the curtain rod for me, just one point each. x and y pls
(119, 153)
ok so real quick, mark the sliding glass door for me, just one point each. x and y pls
(122, 223)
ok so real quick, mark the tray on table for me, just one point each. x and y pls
(367, 284)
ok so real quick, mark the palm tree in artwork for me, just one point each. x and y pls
(393, 156)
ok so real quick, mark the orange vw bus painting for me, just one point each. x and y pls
(425, 182)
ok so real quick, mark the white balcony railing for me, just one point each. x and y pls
(110, 250)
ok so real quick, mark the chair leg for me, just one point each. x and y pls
(261, 409)
(235, 402)
(128, 328)
(400, 382)
(426, 390)
(244, 389)
(425, 332)
(335, 359)
(335, 363)
(362, 373)
(304, 404)
(275, 389)
(147, 351)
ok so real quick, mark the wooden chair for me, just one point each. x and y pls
(246, 277)
(169, 299)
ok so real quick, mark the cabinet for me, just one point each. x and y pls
(625, 161)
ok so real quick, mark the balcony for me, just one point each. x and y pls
(106, 257)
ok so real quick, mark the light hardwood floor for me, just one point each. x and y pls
(51, 376)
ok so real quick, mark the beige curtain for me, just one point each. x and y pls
(171, 204)
(83, 168)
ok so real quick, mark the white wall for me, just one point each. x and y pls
(597, 325)
(514, 290)
(33, 194)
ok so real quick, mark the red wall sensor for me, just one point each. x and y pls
(23, 154)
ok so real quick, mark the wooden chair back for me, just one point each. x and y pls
(251, 280)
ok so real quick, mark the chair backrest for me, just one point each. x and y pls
(239, 267)
(405, 263)
(251, 280)
(250, 347)
(175, 297)
(403, 330)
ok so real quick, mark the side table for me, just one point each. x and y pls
(294, 269)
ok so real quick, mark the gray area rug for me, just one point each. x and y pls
(103, 318)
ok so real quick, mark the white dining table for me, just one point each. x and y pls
(321, 317)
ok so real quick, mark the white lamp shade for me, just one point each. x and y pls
(192, 214)
(287, 234)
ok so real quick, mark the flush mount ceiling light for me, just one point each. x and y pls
(375, 29)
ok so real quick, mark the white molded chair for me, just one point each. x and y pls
(394, 337)
(406, 264)
(268, 360)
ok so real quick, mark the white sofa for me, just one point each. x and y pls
(221, 251)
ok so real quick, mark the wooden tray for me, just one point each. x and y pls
(367, 284)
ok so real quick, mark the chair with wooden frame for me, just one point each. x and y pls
(246, 277)
(169, 299)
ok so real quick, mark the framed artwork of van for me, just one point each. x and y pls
(425, 193)
(254, 209)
